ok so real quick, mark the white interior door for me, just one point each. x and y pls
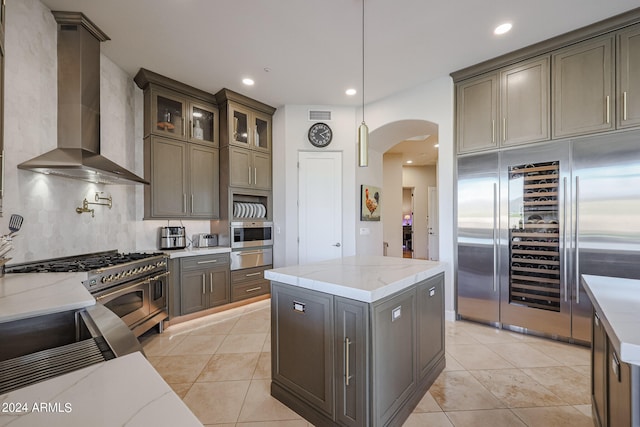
(319, 206)
(432, 202)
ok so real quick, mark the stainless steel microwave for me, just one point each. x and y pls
(248, 234)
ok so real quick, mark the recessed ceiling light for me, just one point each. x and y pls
(248, 81)
(350, 92)
(502, 28)
(409, 161)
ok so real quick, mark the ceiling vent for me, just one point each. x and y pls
(315, 115)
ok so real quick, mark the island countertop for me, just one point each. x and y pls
(25, 295)
(362, 278)
(122, 391)
(617, 300)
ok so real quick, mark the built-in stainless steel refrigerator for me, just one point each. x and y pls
(536, 219)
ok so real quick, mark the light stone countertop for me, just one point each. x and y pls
(25, 295)
(617, 302)
(180, 253)
(122, 391)
(362, 278)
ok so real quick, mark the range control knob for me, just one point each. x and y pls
(104, 279)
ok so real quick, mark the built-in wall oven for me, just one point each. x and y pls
(251, 244)
(251, 234)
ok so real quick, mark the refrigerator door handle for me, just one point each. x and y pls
(495, 237)
(577, 231)
(564, 239)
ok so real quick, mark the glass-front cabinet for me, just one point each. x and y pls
(182, 118)
(249, 129)
(175, 110)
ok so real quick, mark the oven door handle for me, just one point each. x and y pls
(122, 289)
(165, 274)
(243, 253)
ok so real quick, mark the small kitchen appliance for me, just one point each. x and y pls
(205, 240)
(172, 238)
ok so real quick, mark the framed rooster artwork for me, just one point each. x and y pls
(370, 203)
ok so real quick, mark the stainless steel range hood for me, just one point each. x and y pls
(78, 153)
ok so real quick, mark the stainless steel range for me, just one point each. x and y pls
(132, 285)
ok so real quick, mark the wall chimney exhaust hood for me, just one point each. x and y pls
(78, 153)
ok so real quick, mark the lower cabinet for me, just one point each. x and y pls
(338, 361)
(204, 282)
(248, 283)
(615, 385)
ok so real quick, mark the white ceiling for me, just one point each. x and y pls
(313, 49)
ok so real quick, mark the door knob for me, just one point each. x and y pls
(337, 245)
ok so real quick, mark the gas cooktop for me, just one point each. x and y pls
(80, 263)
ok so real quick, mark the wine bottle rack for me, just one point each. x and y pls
(534, 276)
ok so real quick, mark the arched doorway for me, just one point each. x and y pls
(403, 141)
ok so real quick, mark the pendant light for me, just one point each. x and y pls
(363, 130)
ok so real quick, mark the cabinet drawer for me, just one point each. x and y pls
(204, 261)
(248, 274)
(250, 289)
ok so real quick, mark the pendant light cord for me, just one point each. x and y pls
(362, 61)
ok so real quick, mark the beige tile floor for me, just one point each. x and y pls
(220, 366)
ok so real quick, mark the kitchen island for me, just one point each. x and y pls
(356, 341)
(615, 350)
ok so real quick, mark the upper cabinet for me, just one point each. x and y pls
(174, 110)
(181, 154)
(2, 26)
(524, 102)
(579, 83)
(506, 108)
(477, 113)
(628, 80)
(245, 139)
(583, 88)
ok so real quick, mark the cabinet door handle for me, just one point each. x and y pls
(253, 274)
(257, 288)
(2, 173)
(624, 105)
(208, 261)
(493, 131)
(203, 284)
(347, 374)
(249, 175)
(192, 203)
(608, 109)
(504, 129)
(211, 282)
(255, 176)
(184, 202)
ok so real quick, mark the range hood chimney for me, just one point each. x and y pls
(78, 153)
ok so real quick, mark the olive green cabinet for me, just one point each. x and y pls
(628, 77)
(184, 179)
(525, 102)
(248, 169)
(204, 282)
(249, 283)
(477, 113)
(583, 88)
(614, 384)
(338, 361)
(506, 108)
(245, 138)
(181, 154)
(2, 159)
